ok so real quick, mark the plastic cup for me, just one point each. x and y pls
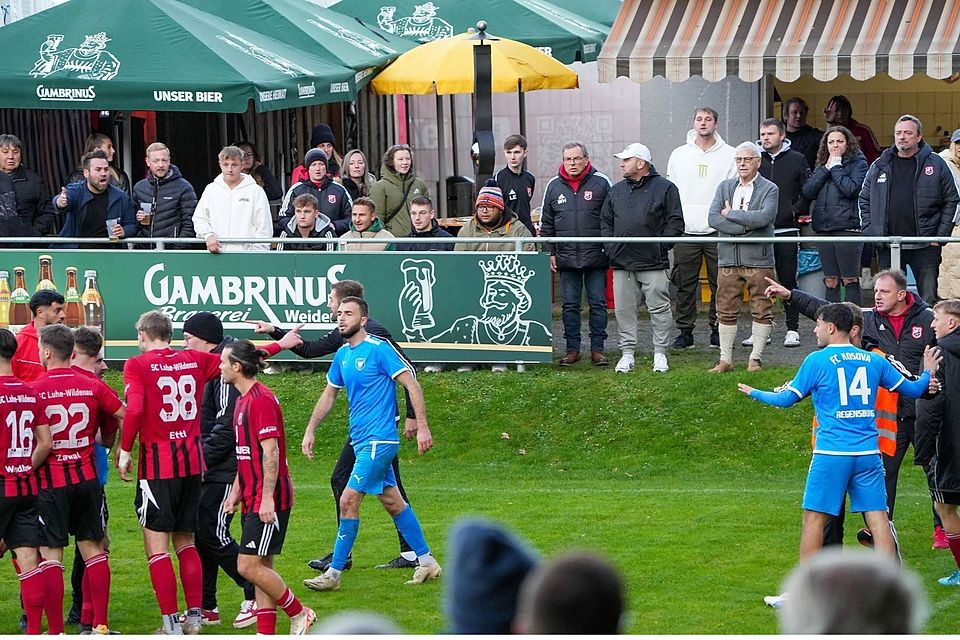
(147, 208)
(111, 223)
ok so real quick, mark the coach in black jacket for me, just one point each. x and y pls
(172, 197)
(895, 307)
(341, 472)
(571, 207)
(216, 547)
(910, 191)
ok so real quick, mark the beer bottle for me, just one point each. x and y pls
(4, 298)
(93, 315)
(73, 308)
(20, 315)
(46, 274)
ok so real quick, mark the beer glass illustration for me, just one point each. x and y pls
(420, 274)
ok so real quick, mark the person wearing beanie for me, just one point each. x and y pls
(396, 189)
(493, 221)
(321, 138)
(334, 201)
(486, 569)
(203, 331)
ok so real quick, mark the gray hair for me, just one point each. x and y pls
(749, 146)
(853, 592)
(574, 145)
(914, 119)
(10, 140)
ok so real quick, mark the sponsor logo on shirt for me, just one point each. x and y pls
(562, 199)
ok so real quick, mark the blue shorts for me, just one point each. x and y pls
(373, 469)
(830, 477)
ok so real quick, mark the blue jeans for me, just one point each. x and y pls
(572, 284)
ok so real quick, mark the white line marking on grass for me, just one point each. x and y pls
(946, 602)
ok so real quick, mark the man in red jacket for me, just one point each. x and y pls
(46, 306)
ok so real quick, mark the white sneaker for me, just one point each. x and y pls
(466, 368)
(247, 615)
(660, 363)
(323, 582)
(300, 624)
(792, 339)
(776, 601)
(498, 368)
(626, 363)
(749, 341)
(425, 573)
(433, 368)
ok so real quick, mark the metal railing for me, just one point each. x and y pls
(895, 243)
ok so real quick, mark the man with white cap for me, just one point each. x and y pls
(571, 208)
(643, 204)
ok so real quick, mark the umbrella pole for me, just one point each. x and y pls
(522, 104)
(453, 134)
(442, 164)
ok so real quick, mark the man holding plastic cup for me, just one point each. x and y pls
(166, 200)
(90, 204)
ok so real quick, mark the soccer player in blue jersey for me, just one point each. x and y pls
(369, 368)
(843, 382)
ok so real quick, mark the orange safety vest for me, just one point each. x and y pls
(886, 417)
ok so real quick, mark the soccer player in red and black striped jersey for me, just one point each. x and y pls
(163, 389)
(24, 445)
(70, 501)
(264, 488)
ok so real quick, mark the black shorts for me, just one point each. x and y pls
(75, 510)
(168, 505)
(946, 497)
(259, 539)
(18, 522)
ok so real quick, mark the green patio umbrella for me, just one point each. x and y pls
(327, 34)
(157, 54)
(600, 11)
(558, 32)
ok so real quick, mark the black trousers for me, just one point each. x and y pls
(341, 475)
(785, 258)
(215, 545)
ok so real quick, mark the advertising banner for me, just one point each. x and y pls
(440, 306)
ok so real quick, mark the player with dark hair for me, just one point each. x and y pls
(843, 381)
(23, 447)
(264, 488)
(70, 501)
(369, 369)
(46, 307)
(163, 396)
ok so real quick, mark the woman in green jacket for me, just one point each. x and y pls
(396, 188)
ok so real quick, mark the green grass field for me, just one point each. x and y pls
(692, 489)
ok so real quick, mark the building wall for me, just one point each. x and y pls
(605, 117)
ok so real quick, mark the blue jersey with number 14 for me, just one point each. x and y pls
(368, 371)
(843, 382)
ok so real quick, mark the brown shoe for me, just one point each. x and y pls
(598, 359)
(722, 366)
(754, 365)
(570, 358)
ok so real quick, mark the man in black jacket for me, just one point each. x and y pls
(33, 197)
(644, 203)
(516, 183)
(787, 169)
(308, 222)
(333, 199)
(423, 220)
(803, 138)
(341, 472)
(899, 326)
(571, 207)
(909, 191)
(171, 198)
(938, 431)
(217, 548)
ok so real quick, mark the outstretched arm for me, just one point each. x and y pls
(785, 398)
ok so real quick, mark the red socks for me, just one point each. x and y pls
(164, 582)
(32, 594)
(266, 621)
(96, 583)
(289, 603)
(52, 574)
(191, 576)
(953, 539)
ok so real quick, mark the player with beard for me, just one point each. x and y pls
(263, 486)
(369, 369)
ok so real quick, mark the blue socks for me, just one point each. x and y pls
(409, 526)
(346, 535)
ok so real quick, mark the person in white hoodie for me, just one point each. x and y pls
(233, 206)
(697, 167)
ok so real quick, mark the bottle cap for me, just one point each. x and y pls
(90, 273)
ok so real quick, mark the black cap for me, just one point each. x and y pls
(206, 326)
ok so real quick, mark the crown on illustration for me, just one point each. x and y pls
(506, 268)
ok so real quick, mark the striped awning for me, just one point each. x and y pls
(786, 38)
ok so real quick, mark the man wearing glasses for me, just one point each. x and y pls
(697, 167)
(746, 207)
